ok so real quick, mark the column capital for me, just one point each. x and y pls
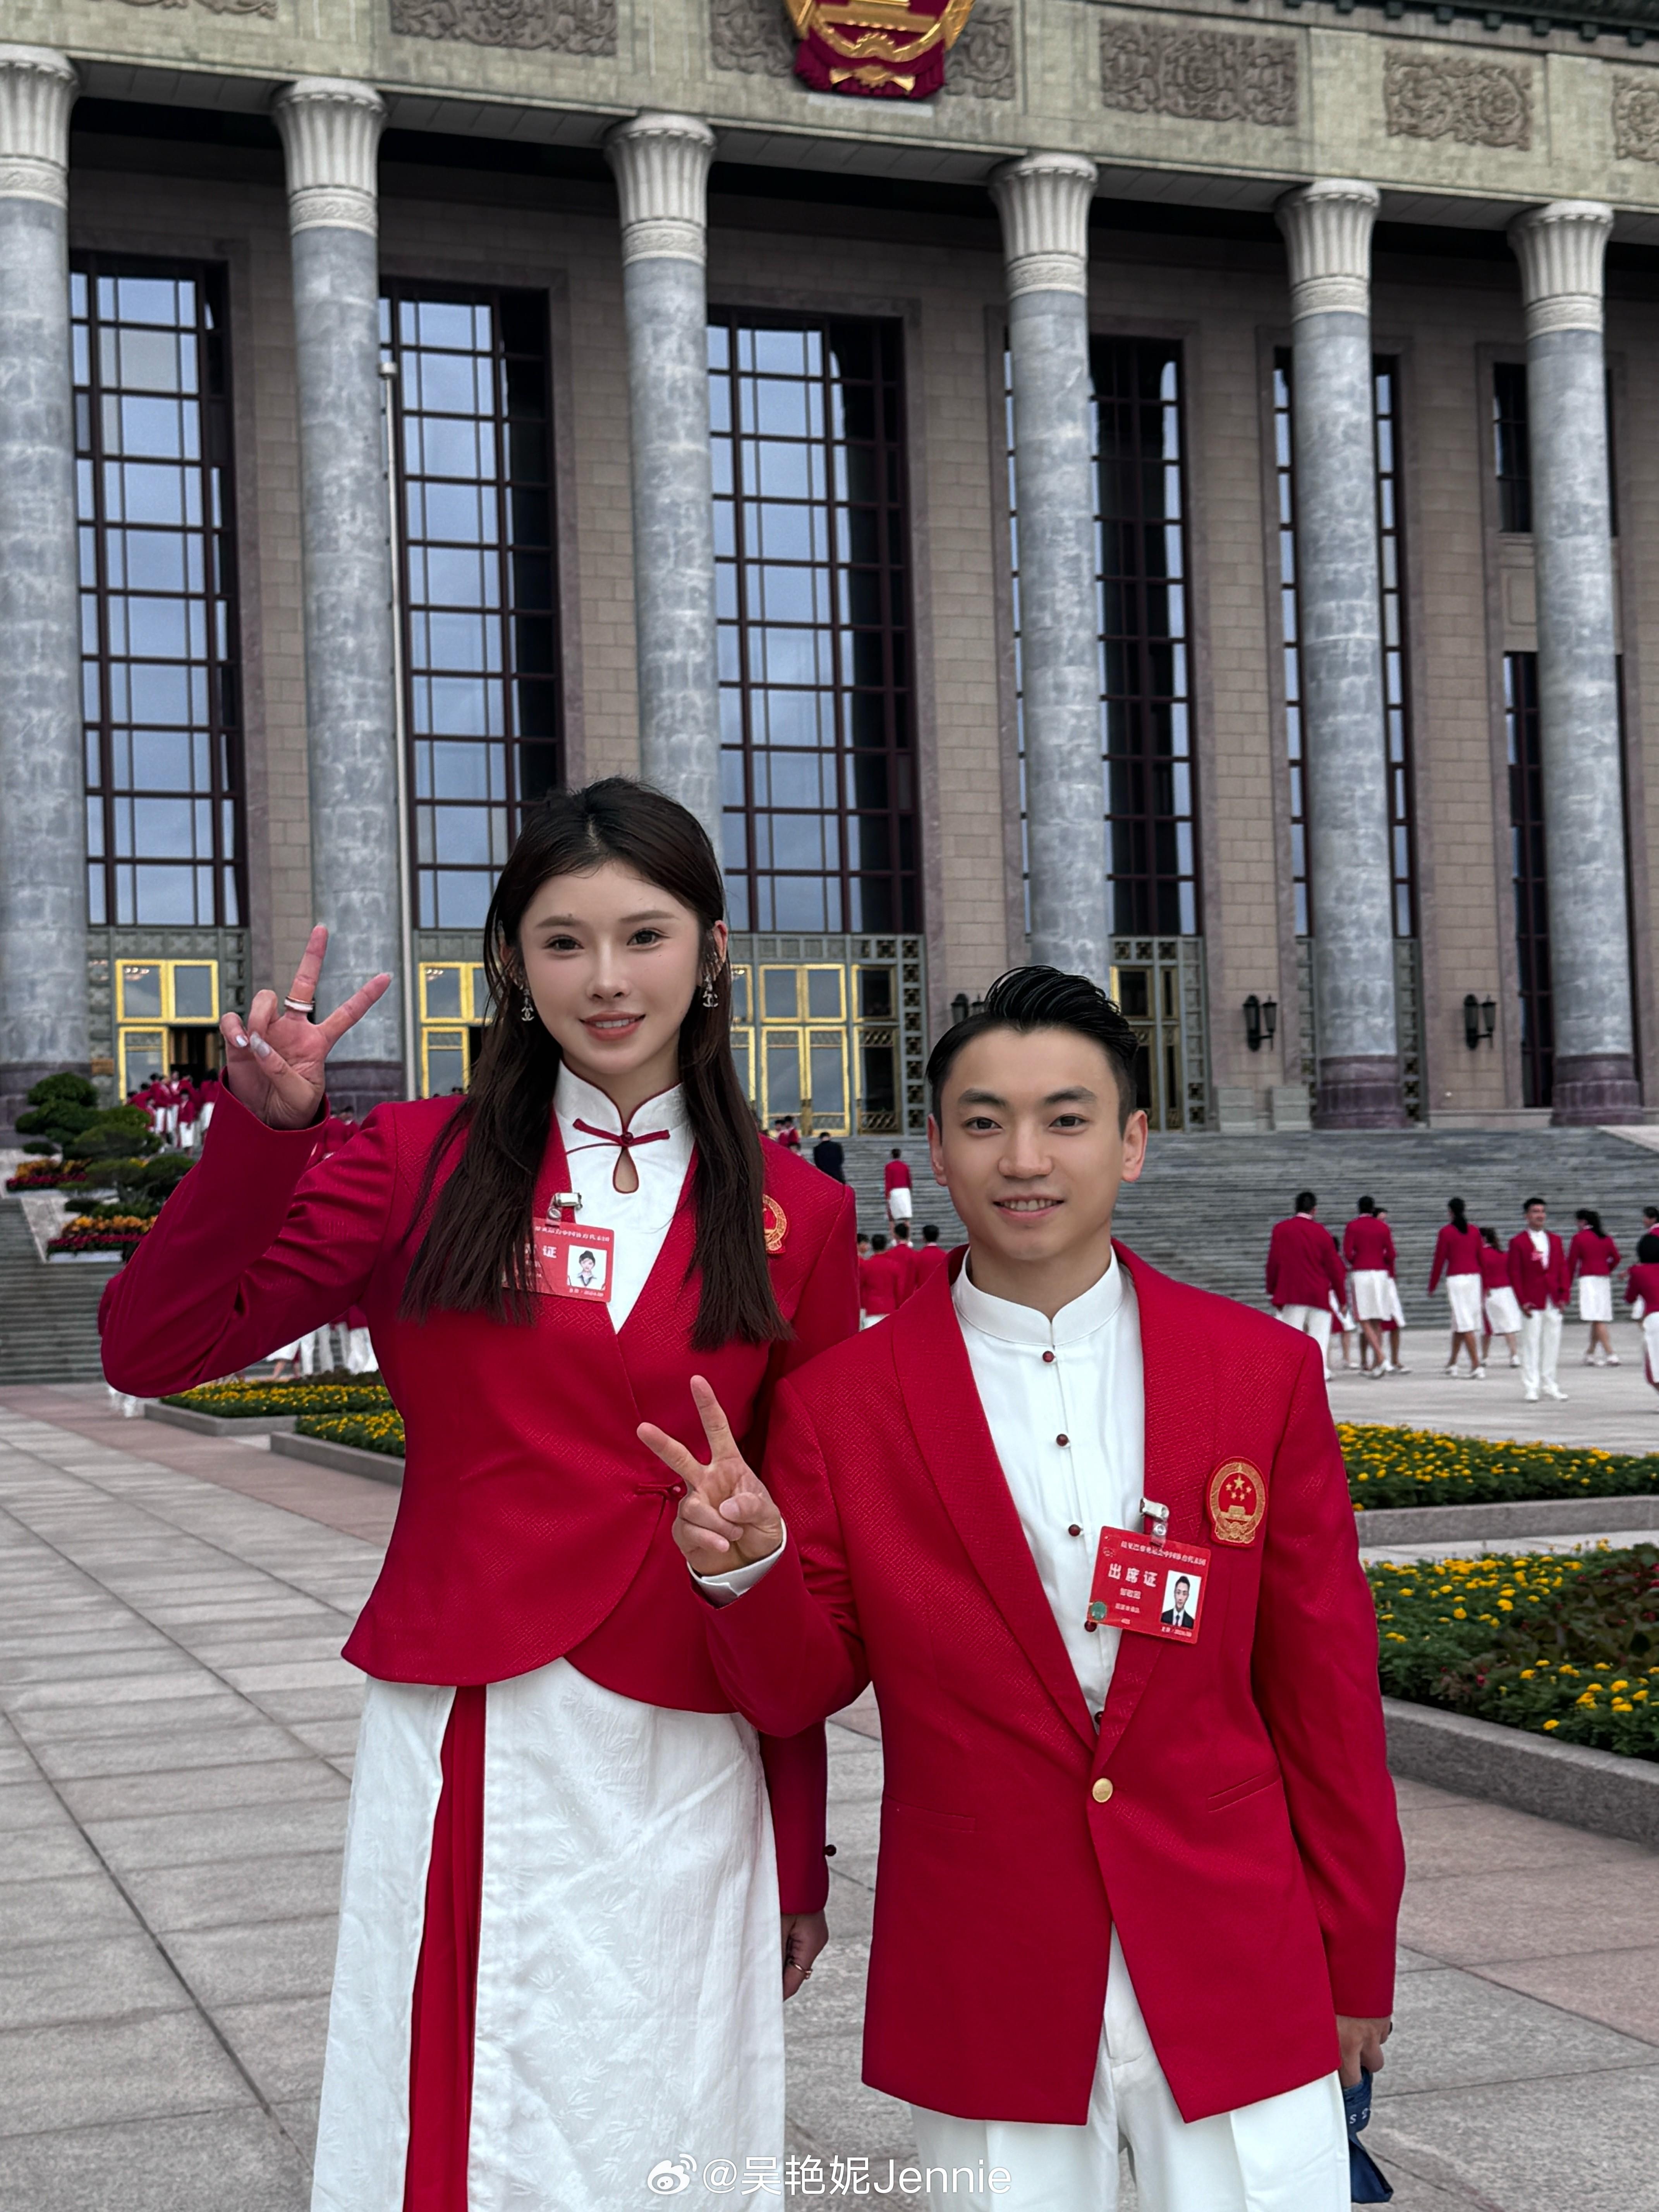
(661, 165)
(38, 87)
(1561, 249)
(1043, 201)
(1328, 228)
(331, 130)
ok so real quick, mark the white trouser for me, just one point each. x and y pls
(1311, 1321)
(360, 1350)
(1287, 2154)
(1540, 1345)
(1650, 1346)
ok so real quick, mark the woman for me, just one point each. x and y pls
(1502, 1307)
(1591, 1258)
(1458, 1257)
(1641, 1295)
(558, 1961)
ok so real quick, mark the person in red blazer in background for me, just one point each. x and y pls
(1641, 1295)
(1458, 1251)
(1538, 1278)
(1135, 1881)
(1305, 1271)
(883, 1282)
(905, 1255)
(1591, 1258)
(933, 1256)
(555, 1800)
(1369, 1255)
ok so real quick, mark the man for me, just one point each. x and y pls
(904, 1260)
(1130, 1884)
(1538, 1278)
(787, 1134)
(896, 1179)
(828, 1157)
(880, 1279)
(1175, 1614)
(932, 1256)
(1368, 1251)
(1304, 1271)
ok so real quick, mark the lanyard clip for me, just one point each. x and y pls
(1158, 1518)
(564, 1204)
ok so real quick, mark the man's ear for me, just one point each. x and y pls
(936, 1153)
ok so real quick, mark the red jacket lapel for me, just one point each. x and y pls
(949, 1428)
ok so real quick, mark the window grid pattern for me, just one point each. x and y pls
(811, 572)
(159, 637)
(474, 419)
(1512, 449)
(1289, 625)
(1528, 875)
(1140, 585)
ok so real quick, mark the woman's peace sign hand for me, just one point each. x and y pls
(274, 1060)
(727, 1517)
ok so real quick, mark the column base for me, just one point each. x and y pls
(17, 1079)
(355, 1087)
(1360, 1090)
(1594, 1087)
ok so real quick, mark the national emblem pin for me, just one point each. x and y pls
(1238, 1499)
(775, 1225)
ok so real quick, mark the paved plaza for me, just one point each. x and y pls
(176, 1734)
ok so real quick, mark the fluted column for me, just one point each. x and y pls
(331, 130)
(661, 165)
(43, 871)
(1561, 248)
(1328, 233)
(1043, 201)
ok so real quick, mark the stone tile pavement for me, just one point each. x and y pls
(1611, 1408)
(176, 1731)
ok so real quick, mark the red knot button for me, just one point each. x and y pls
(1074, 1530)
(1048, 1358)
(1062, 1440)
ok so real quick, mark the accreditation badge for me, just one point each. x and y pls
(1148, 1588)
(572, 1262)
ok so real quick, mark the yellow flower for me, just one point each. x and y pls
(1552, 1724)
(1458, 1613)
(1527, 1674)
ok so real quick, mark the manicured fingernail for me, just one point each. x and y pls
(242, 1041)
(262, 1047)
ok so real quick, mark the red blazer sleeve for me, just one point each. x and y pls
(1338, 1273)
(1613, 1254)
(1393, 1257)
(254, 1247)
(1515, 1265)
(797, 1783)
(1315, 1678)
(1442, 1258)
(1347, 1245)
(1274, 1244)
(1575, 1257)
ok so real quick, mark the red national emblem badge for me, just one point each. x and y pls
(1238, 1498)
(882, 49)
(775, 1225)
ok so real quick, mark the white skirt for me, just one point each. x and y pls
(1463, 1295)
(631, 2003)
(898, 1203)
(1595, 1298)
(1503, 1312)
(1368, 1287)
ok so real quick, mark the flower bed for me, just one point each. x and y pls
(1567, 1644)
(338, 1393)
(84, 1232)
(47, 1174)
(375, 1432)
(1390, 1467)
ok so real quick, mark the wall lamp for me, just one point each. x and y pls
(1479, 1020)
(1261, 1020)
(960, 1008)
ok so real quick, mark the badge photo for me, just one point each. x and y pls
(1237, 1501)
(575, 1263)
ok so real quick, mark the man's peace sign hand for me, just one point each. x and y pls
(274, 1060)
(727, 1518)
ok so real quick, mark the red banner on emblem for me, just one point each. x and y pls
(881, 49)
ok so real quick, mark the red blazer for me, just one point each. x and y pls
(1590, 1255)
(1248, 1848)
(930, 1257)
(532, 1525)
(1642, 1282)
(1367, 1243)
(883, 1281)
(896, 1176)
(1538, 1283)
(1458, 1252)
(1304, 1265)
(1494, 1268)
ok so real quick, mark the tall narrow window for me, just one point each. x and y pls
(813, 608)
(1289, 624)
(1141, 583)
(481, 638)
(1511, 453)
(160, 640)
(1528, 876)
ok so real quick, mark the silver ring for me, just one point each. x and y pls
(300, 1005)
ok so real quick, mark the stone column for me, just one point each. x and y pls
(661, 165)
(1043, 201)
(43, 811)
(1560, 248)
(330, 129)
(1327, 232)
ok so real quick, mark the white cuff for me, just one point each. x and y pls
(720, 1590)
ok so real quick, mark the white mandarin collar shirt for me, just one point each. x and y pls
(638, 1219)
(1065, 1402)
(1540, 1242)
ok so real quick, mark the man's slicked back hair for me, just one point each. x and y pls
(1028, 999)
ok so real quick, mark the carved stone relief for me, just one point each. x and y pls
(981, 63)
(214, 7)
(563, 27)
(1202, 76)
(1636, 118)
(1476, 103)
(752, 36)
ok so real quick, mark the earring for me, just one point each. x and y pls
(710, 996)
(526, 1005)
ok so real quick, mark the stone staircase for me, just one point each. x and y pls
(48, 1314)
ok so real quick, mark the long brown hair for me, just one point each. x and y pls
(474, 1256)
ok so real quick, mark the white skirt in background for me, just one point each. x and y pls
(898, 1203)
(630, 2006)
(1463, 1295)
(1595, 1298)
(1650, 1346)
(1503, 1312)
(1368, 1289)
